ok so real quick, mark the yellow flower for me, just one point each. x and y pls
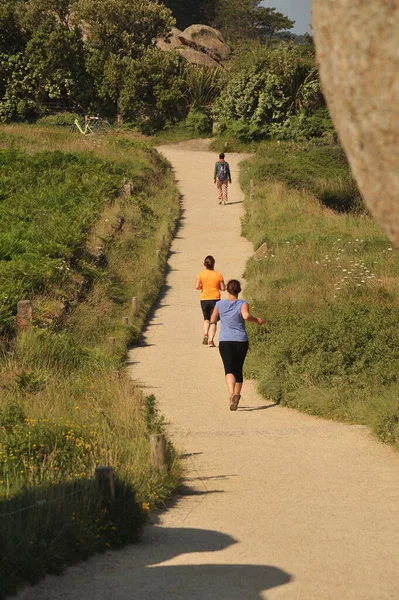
(145, 506)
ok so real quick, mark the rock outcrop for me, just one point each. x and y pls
(358, 53)
(199, 44)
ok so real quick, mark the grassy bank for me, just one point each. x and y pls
(66, 402)
(327, 285)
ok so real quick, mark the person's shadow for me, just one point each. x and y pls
(136, 572)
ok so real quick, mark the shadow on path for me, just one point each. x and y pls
(137, 572)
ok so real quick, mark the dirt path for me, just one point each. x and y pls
(277, 504)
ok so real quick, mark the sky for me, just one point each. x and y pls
(296, 10)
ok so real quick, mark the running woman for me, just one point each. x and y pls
(211, 283)
(233, 339)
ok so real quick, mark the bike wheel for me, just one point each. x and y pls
(73, 128)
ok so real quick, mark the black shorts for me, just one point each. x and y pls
(207, 308)
(233, 355)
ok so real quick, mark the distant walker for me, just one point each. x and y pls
(222, 177)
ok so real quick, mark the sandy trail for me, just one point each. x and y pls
(277, 505)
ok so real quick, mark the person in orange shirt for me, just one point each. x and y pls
(211, 283)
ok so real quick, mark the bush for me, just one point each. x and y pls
(199, 122)
(274, 96)
(59, 119)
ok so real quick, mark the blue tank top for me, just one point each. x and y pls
(232, 323)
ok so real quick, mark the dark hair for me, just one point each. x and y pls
(209, 262)
(221, 155)
(233, 287)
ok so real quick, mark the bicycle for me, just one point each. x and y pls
(89, 125)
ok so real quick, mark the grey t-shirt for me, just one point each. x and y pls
(232, 323)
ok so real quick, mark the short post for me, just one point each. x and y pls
(111, 343)
(163, 239)
(143, 283)
(125, 320)
(106, 483)
(127, 189)
(135, 305)
(158, 252)
(158, 450)
(24, 315)
(169, 210)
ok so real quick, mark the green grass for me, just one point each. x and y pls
(327, 289)
(66, 402)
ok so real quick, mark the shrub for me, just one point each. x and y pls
(59, 119)
(199, 122)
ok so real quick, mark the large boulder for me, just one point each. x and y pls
(209, 38)
(199, 44)
(172, 42)
(357, 46)
(196, 57)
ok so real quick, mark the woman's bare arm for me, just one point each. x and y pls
(247, 315)
(198, 284)
(222, 286)
(214, 316)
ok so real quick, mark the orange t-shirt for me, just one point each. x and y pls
(210, 281)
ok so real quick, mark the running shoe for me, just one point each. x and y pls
(234, 400)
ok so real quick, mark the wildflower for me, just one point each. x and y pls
(344, 270)
(389, 248)
(77, 407)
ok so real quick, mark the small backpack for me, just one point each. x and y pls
(223, 171)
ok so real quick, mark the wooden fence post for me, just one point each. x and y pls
(135, 305)
(158, 450)
(106, 483)
(24, 315)
(125, 320)
(111, 343)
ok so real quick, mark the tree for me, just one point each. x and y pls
(190, 12)
(45, 61)
(119, 32)
(245, 19)
(267, 22)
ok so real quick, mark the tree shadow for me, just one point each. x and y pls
(139, 573)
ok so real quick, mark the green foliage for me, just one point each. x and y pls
(190, 12)
(246, 19)
(49, 200)
(202, 85)
(64, 524)
(199, 122)
(274, 94)
(326, 287)
(121, 34)
(153, 90)
(59, 119)
(318, 167)
(66, 405)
